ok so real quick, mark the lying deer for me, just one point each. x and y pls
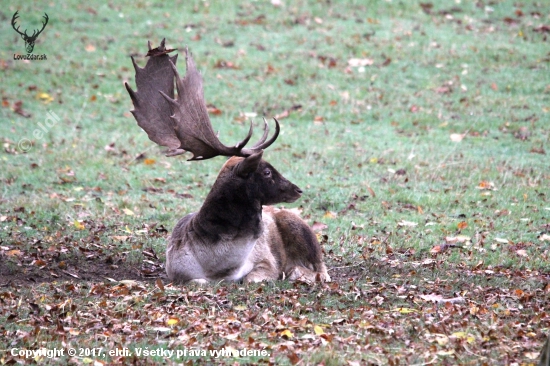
(236, 234)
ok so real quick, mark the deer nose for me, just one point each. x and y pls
(297, 189)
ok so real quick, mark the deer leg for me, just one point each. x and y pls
(304, 258)
(266, 267)
(300, 273)
(262, 272)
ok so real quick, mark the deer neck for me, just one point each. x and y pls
(229, 215)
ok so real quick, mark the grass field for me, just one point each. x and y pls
(419, 132)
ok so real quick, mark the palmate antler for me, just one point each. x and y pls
(181, 123)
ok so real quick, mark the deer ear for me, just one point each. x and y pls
(249, 164)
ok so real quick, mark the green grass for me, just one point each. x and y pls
(371, 147)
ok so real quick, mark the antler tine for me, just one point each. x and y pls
(191, 122)
(264, 136)
(266, 144)
(242, 143)
(151, 110)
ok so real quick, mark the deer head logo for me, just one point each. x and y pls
(29, 40)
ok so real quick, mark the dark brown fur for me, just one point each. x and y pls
(268, 243)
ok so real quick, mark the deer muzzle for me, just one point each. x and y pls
(292, 193)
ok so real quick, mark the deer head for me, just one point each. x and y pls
(181, 123)
(252, 178)
(29, 40)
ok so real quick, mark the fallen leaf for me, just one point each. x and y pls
(478, 265)
(407, 223)
(293, 357)
(172, 321)
(120, 237)
(442, 339)
(318, 330)
(371, 191)
(329, 215)
(159, 284)
(532, 355)
(162, 329)
(543, 28)
(223, 64)
(441, 299)
(522, 253)
(129, 283)
(14, 252)
(149, 161)
(44, 97)
(463, 335)
(457, 137)
(213, 110)
(232, 336)
(445, 89)
(457, 239)
(486, 185)
(287, 334)
(356, 62)
(445, 353)
(79, 225)
(405, 310)
(318, 226)
(70, 274)
(128, 212)
(18, 108)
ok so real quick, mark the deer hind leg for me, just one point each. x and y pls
(263, 271)
(304, 258)
(301, 273)
(266, 266)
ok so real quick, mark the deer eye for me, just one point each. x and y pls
(267, 173)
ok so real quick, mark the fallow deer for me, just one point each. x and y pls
(236, 234)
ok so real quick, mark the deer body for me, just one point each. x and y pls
(236, 234)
